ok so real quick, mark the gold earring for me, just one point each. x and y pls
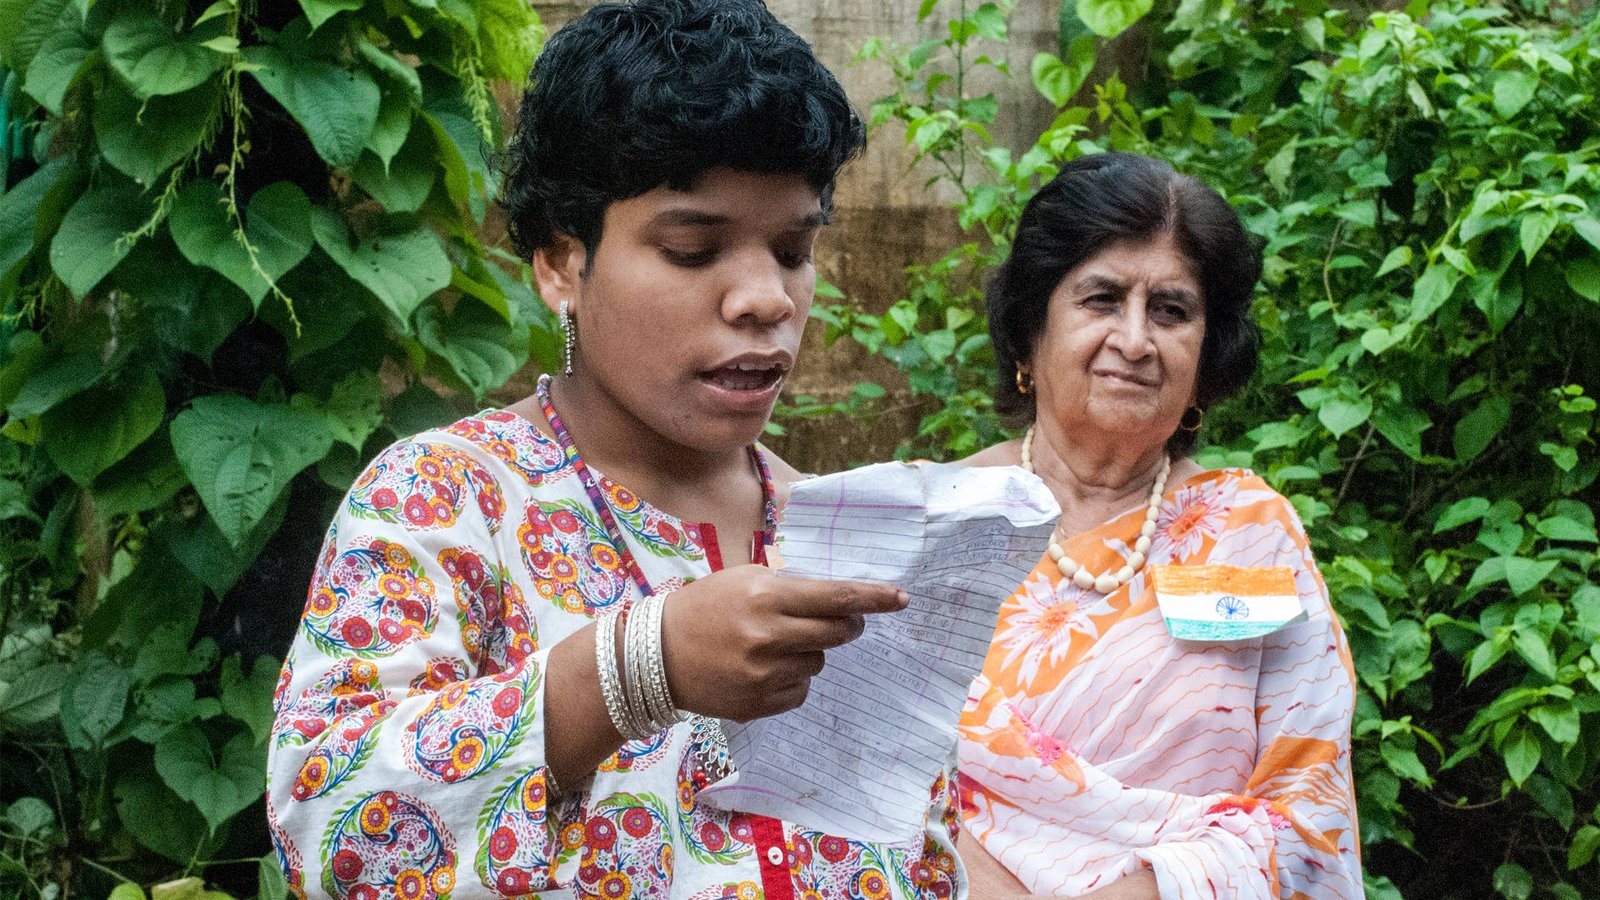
(1024, 379)
(1199, 419)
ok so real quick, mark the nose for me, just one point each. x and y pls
(1130, 335)
(758, 293)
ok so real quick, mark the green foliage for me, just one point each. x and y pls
(239, 253)
(1425, 184)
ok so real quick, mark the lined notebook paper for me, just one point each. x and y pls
(858, 757)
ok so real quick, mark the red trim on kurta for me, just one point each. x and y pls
(777, 881)
(708, 539)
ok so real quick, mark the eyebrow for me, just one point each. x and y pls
(1094, 282)
(691, 217)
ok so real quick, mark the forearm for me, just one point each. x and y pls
(579, 735)
(988, 879)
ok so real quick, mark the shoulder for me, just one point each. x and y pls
(465, 470)
(1005, 453)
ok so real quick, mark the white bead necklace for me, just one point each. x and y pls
(1106, 582)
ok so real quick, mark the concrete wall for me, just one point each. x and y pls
(885, 219)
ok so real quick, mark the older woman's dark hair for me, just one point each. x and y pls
(629, 97)
(1097, 201)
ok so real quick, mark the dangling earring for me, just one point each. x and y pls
(1199, 418)
(567, 340)
(1024, 379)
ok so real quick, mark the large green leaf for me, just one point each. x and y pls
(1057, 80)
(144, 138)
(395, 72)
(144, 479)
(354, 409)
(126, 617)
(54, 381)
(277, 223)
(56, 66)
(1523, 575)
(191, 309)
(402, 184)
(91, 239)
(19, 208)
(34, 699)
(200, 545)
(510, 34)
(93, 700)
(338, 108)
(153, 58)
(1340, 414)
(1512, 91)
(89, 432)
(1583, 276)
(25, 26)
(220, 782)
(1109, 18)
(468, 176)
(249, 698)
(1432, 290)
(240, 455)
(158, 818)
(481, 349)
(402, 270)
(1477, 428)
(392, 128)
(1402, 426)
(327, 305)
(319, 11)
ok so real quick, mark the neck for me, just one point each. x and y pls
(1092, 483)
(614, 441)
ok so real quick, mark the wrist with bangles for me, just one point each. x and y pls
(633, 672)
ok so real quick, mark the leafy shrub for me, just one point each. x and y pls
(239, 252)
(1425, 181)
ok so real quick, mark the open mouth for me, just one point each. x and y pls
(746, 376)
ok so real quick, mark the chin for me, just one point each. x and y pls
(718, 435)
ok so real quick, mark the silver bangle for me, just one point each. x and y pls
(605, 657)
(636, 668)
(662, 708)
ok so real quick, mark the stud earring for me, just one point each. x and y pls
(567, 340)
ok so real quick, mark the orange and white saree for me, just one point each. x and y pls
(1095, 744)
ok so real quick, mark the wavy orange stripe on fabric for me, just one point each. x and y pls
(1248, 582)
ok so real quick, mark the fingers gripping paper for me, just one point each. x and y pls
(857, 758)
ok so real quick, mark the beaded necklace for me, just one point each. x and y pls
(1106, 582)
(603, 509)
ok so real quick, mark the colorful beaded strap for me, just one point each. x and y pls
(603, 509)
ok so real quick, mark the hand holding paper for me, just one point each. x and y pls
(857, 758)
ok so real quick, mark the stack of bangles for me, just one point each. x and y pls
(634, 681)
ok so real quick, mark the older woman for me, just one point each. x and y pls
(1100, 755)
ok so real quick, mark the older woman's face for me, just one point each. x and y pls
(1121, 344)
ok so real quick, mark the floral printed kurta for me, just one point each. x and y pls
(1094, 744)
(407, 757)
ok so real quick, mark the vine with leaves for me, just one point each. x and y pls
(240, 251)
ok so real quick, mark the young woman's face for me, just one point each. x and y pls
(690, 315)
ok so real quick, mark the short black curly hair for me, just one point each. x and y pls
(632, 96)
(1094, 202)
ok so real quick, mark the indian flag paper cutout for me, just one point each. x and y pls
(1226, 603)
